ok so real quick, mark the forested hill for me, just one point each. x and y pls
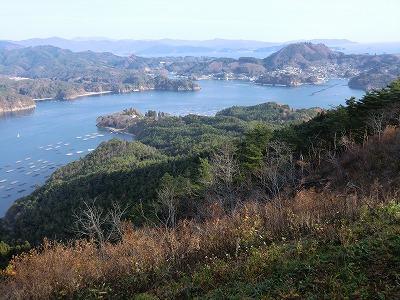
(219, 207)
(131, 173)
(50, 72)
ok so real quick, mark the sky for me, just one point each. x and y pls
(264, 20)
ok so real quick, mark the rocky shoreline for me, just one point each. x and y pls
(16, 109)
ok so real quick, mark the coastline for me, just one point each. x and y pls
(77, 96)
(116, 130)
(17, 109)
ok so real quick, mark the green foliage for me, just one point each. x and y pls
(271, 113)
(118, 171)
(253, 147)
(7, 251)
(325, 131)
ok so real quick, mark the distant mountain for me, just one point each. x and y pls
(300, 55)
(5, 45)
(148, 47)
(327, 42)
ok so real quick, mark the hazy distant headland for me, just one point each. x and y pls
(214, 47)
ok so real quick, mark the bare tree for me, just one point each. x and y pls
(224, 168)
(376, 122)
(277, 169)
(96, 224)
(167, 197)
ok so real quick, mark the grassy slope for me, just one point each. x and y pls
(363, 262)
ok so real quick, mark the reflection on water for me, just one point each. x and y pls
(34, 144)
(14, 114)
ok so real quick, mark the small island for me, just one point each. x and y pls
(275, 115)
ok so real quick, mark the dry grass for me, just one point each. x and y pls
(147, 254)
(57, 269)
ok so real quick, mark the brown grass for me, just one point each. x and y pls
(57, 269)
(147, 254)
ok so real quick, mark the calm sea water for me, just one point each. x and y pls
(34, 144)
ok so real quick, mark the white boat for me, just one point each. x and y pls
(18, 162)
(90, 150)
(78, 137)
(66, 144)
(79, 152)
(69, 154)
(18, 136)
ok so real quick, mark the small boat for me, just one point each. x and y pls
(18, 136)
(28, 158)
(90, 150)
(66, 144)
(79, 152)
(18, 162)
(78, 137)
(69, 154)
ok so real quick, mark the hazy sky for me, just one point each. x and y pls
(267, 20)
